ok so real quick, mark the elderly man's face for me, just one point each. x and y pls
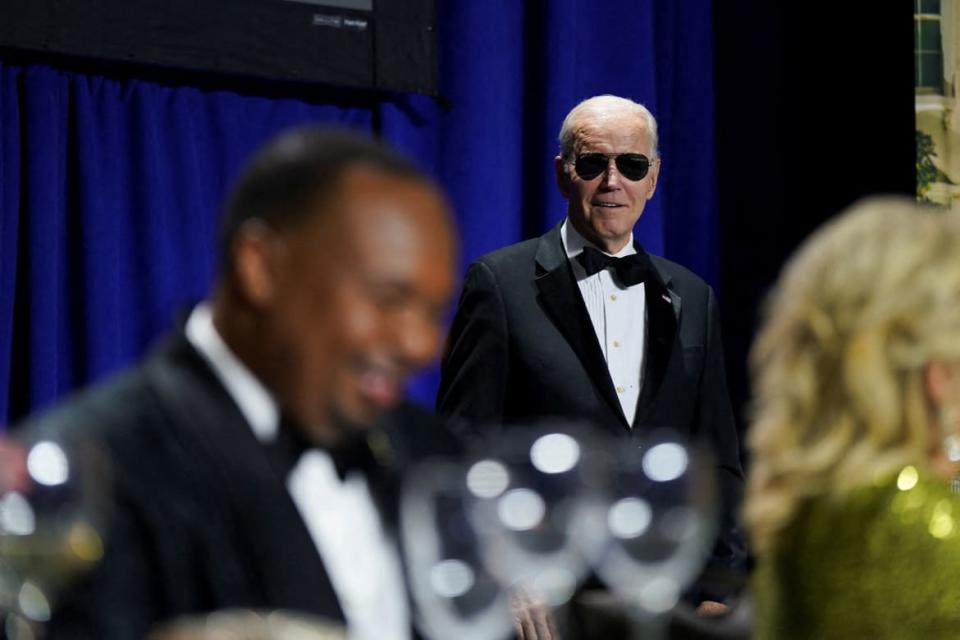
(360, 301)
(605, 208)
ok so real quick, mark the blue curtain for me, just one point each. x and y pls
(110, 186)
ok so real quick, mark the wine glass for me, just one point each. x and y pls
(538, 508)
(53, 492)
(455, 594)
(659, 523)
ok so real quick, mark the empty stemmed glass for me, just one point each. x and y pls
(659, 525)
(538, 502)
(455, 594)
(505, 533)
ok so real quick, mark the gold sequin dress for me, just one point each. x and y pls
(884, 562)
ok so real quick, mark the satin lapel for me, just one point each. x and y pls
(279, 545)
(663, 319)
(561, 299)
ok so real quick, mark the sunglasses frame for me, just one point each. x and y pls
(617, 161)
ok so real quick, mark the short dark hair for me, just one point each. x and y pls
(297, 170)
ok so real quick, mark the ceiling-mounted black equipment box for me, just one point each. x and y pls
(367, 44)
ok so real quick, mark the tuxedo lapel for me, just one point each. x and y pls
(281, 550)
(560, 297)
(663, 319)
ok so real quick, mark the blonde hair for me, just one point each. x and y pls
(838, 367)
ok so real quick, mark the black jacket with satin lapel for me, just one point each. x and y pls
(522, 348)
(289, 571)
(200, 519)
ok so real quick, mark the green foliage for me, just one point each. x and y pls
(927, 172)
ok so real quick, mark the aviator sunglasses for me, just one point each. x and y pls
(632, 166)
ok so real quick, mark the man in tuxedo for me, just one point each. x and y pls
(254, 462)
(582, 323)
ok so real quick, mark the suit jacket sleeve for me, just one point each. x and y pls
(716, 427)
(114, 601)
(475, 365)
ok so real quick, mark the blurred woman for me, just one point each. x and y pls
(857, 430)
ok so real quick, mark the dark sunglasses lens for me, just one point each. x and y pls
(590, 165)
(633, 166)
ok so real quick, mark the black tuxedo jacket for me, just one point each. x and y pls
(201, 519)
(522, 348)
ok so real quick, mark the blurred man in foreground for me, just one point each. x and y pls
(247, 471)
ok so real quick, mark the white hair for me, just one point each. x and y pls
(604, 103)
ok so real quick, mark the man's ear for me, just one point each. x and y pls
(941, 381)
(653, 177)
(257, 253)
(563, 178)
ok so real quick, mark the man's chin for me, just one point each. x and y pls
(604, 237)
(355, 423)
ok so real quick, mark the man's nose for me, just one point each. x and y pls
(611, 176)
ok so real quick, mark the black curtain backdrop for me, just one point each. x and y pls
(111, 178)
(815, 110)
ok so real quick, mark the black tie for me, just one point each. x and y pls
(630, 270)
(352, 455)
(285, 451)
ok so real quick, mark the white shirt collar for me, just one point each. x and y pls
(255, 402)
(573, 243)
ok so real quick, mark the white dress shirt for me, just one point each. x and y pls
(619, 319)
(360, 558)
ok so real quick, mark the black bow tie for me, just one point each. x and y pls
(630, 270)
(291, 444)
